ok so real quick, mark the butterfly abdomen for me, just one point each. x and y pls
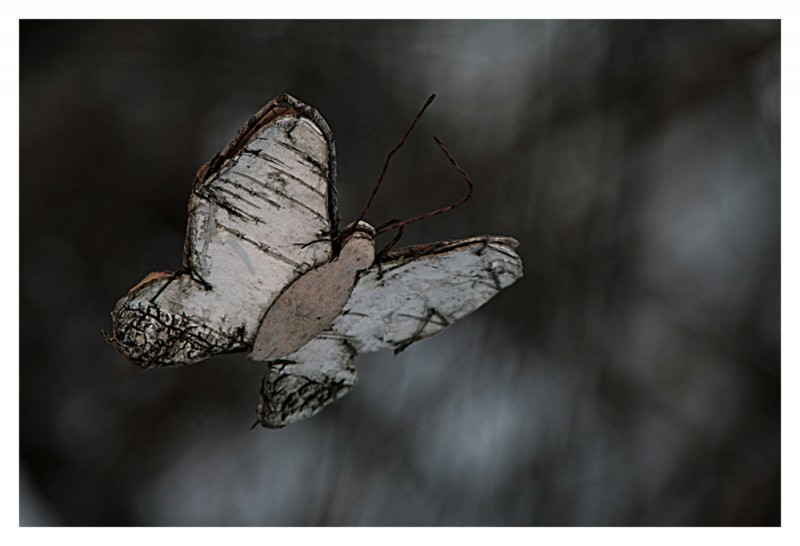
(311, 303)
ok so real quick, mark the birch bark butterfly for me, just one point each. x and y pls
(266, 270)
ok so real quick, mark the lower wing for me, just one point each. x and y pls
(413, 293)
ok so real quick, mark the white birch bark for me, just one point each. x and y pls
(414, 293)
(263, 272)
(261, 214)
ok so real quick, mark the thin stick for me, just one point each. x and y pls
(391, 153)
(394, 224)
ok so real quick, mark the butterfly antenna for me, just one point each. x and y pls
(395, 224)
(391, 153)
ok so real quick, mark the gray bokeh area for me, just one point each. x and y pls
(631, 377)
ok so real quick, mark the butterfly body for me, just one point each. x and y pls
(265, 271)
(311, 303)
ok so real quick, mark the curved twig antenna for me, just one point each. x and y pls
(399, 224)
(395, 224)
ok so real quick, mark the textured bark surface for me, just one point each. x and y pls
(312, 302)
(414, 293)
(632, 377)
(261, 214)
(301, 385)
(420, 290)
(263, 272)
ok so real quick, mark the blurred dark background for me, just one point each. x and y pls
(631, 377)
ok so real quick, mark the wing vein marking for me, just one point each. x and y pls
(427, 319)
(262, 247)
(305, 157)
(232, 193)
(280, 193)
(500, 249)
(423, 323)
(226, 205)
(394, 263)
(335, 336)
(296, 202)
(154, 312)
(251, 191)
(282, 168)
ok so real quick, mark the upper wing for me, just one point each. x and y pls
(414, 293)
(261, 213)
(418, 291)
(264, 210)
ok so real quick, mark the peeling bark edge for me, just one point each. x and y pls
(281, 106)
(401, 256)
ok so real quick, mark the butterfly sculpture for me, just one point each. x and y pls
(267, 270)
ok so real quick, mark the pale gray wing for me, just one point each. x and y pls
(261, 213)
(418, 291)
(413, 294)
(300, 385)
(264, 211)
